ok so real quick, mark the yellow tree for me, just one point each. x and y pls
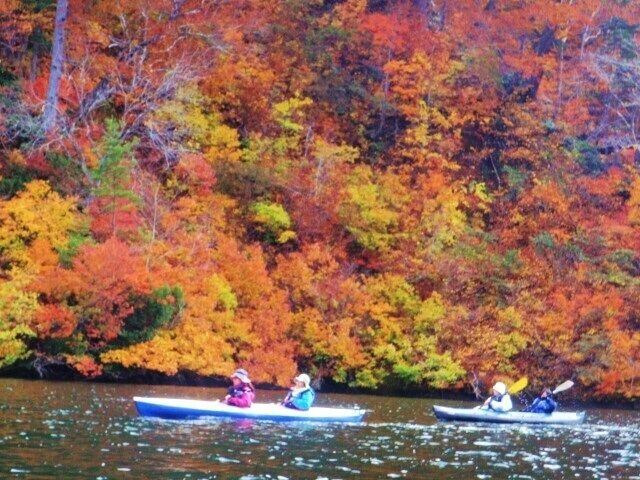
(33, 225)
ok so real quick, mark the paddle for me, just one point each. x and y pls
(562, 387)
(519, 386)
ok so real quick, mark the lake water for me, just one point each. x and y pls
(91, 431)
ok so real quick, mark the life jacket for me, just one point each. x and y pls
(300, 399)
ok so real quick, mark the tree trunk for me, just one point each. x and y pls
(57, 66)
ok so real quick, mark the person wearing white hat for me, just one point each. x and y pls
(500, 400)
(301, 395)
(242, 392)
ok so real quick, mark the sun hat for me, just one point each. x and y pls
(303, 378)
(500, 387)
(242, 375)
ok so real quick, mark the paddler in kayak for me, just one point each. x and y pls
(301, 395)
(500, 400)
(242, 392)
(544, 403)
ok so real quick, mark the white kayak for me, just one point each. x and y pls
(485, 415)
(179, 408)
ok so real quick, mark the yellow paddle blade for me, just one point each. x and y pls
(519, 385)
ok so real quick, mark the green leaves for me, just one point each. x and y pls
(115, 205)
(273, 221)
(113, 172)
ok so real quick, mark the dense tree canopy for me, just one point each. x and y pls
(397, 194)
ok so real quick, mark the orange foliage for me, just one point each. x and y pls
(458, 182)
(85, 365)
(54, 321)
(101, 290)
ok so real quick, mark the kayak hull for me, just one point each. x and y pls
(185, 409)
(482, 415)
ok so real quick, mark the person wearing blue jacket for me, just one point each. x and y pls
(301, 395)
(543, 404)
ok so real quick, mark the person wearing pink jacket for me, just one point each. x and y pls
(241, 393)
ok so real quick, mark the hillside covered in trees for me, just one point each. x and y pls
(388, 194)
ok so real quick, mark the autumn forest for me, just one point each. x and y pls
(406, 195)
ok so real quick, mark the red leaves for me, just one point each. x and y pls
(114, 216)
(95, 296)
(107, 279)
(196, 173)
(53, 321)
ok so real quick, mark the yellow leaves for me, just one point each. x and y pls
(371, 211)
(17, 303)
(510, 317)
(432, 310)
(510, 344)
(12, 345)
(327, 153)
(481, 193)
(224, 143)
(330, 161)
(274, 155)
(398, 334)
(155, 355)
(17, 306)
(509, 339)
(36, 212)
(226, 299)
(396, 292)
(192, 346)
(410, 81)
(198, 348)
(187, 116)
(289, 113)
(443, 218)
(430, 137)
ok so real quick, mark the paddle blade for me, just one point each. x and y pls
(519, 385)
(563, 386)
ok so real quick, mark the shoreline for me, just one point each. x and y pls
(576, 397)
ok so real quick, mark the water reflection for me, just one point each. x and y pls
(91, 431)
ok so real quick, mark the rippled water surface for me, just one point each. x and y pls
(91, 431)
